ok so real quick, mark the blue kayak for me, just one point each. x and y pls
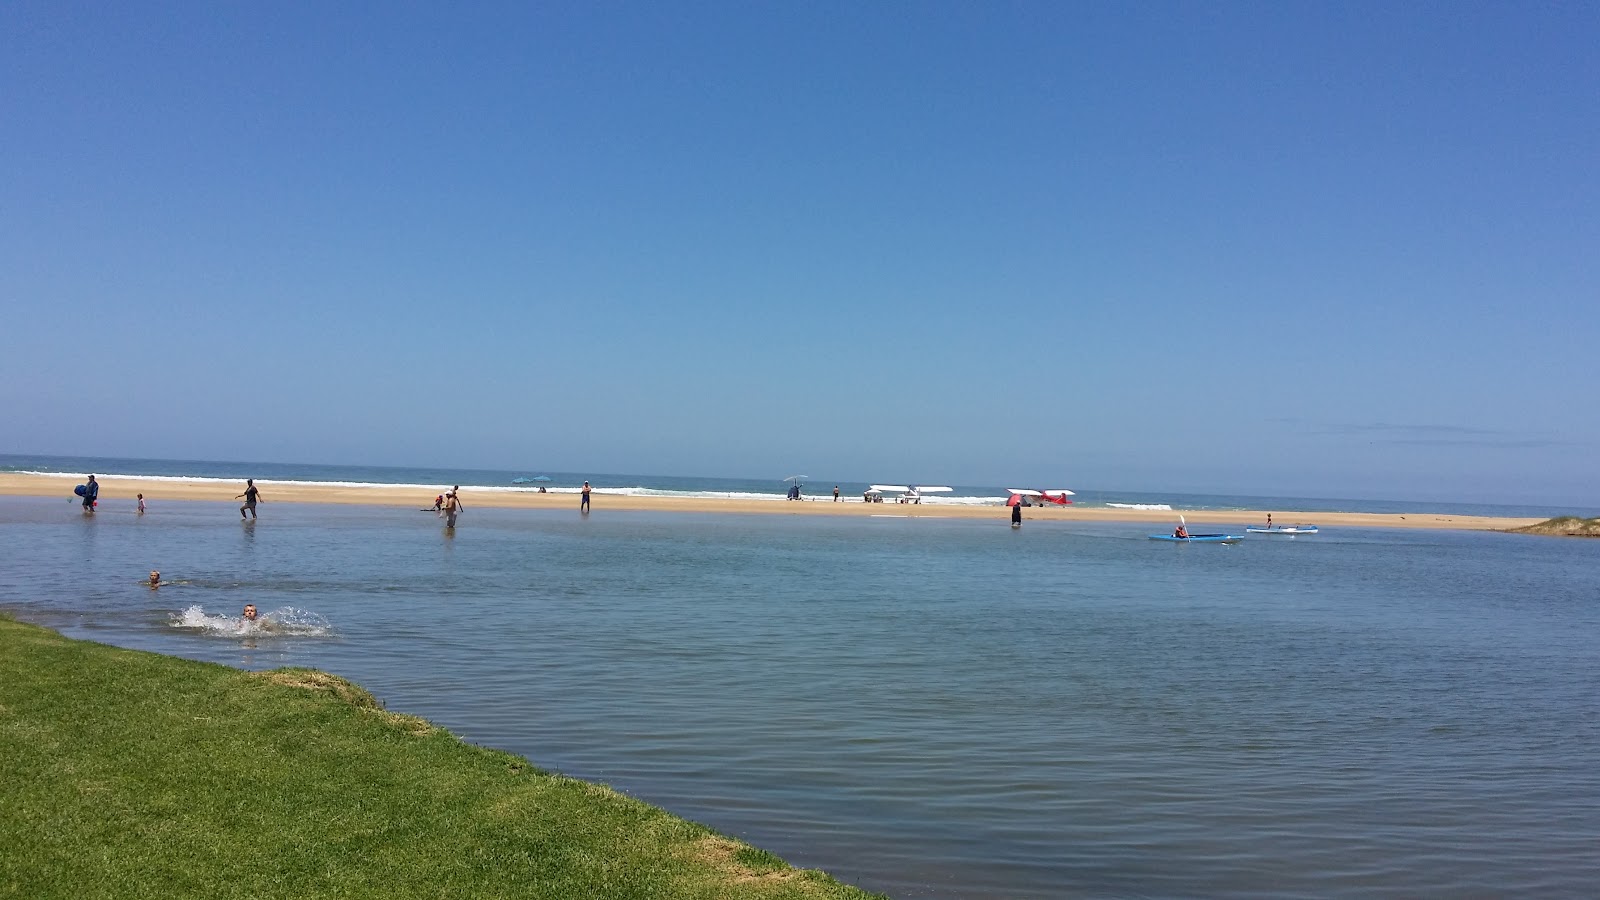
(1200, 538)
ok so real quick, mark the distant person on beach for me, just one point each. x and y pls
(1269, 520)
(141, 504)
(91, 494)
(251, 495)
(583, 505)
(1016, 514)
(836, 493)
(452, 507)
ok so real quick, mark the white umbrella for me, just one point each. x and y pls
(796, 477)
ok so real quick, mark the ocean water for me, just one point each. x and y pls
(428, 481)
(933, 708)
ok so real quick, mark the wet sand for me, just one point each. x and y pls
(118, 491)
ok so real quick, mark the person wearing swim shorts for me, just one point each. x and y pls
(583, 505)
(251, 495)
(452, 507)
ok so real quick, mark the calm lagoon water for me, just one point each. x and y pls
(936, 708)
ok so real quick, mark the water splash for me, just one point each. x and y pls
(285, 620)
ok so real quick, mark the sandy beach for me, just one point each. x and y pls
(118, 490)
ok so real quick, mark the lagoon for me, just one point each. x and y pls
(937, 708)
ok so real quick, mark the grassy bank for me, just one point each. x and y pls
(129, 774)
(1566, 526)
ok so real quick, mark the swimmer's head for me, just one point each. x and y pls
(155, 577)
(250, 611)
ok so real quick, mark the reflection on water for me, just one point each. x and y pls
(937, 709)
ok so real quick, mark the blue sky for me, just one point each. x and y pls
(1320, 249)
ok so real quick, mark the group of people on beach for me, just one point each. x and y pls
(448, 504)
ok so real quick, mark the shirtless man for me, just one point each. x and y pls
(452, 507)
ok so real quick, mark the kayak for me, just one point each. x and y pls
(1200, 538)
(1290, 530)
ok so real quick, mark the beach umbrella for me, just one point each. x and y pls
(796, 477)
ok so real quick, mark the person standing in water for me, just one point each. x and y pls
(1016, 515)
(583, 505)
(251, 495)
(141, 504)
(452, 507)
(91, 494)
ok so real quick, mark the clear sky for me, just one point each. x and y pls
(1329, 249)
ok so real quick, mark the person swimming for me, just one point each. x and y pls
(155, 579)
(250, 612)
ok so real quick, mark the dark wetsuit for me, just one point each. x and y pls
(91, 492)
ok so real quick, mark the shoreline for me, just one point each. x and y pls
(118, 489)
(99, 734)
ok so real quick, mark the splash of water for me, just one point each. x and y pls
(285, 620)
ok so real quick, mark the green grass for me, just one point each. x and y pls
(130, 774)
(1571, 526)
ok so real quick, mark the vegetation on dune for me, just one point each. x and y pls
(1570, 526)
(130, 774)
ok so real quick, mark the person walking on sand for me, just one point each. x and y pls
(452, 507)
(583, 505)
(91, 494)
(251, 495)
(836, 493)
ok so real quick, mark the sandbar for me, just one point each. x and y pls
(117, 490)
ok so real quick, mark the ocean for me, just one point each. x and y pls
(927, 707)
